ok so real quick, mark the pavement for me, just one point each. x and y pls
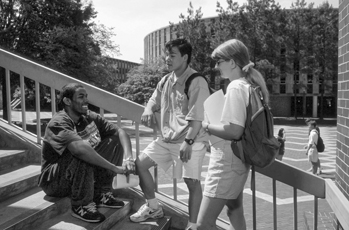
(297, 136)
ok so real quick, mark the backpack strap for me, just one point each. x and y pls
(190, 78)
(164, 82)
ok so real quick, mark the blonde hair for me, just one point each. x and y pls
(236, 50)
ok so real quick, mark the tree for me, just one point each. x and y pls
(310, 37)
(295, 39)
(59, 34)
(325, 49)
(141, 82)
(257, 25)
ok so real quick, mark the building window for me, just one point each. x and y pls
(283, 88)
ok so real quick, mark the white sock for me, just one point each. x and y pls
(191, 225)
(153, 203)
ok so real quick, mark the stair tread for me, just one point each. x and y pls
(66, 221)
(18, 173)
(9, 152)
(23, 205)
(154, 224)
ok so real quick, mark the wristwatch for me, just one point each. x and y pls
(189, 141)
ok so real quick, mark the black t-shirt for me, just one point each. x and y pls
(61, 131)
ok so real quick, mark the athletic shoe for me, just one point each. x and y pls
(318, 171)
(88, 213)
(107, 200)
(145, 212)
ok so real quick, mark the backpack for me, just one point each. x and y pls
(188, 81)
(257, 145)
(320, 146)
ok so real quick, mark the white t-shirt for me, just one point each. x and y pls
(236, 102)
(313, 137)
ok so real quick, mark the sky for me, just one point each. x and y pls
(133, 20)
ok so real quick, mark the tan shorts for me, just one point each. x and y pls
(166, 154)
(226, 174)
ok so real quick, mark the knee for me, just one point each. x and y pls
(192, 183)
(234, 206)
(143, 163)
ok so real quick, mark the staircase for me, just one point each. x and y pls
(23, 205)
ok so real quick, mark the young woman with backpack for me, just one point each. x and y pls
(309, 123)
(311, 152)
(227, 174)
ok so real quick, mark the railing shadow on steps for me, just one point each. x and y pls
(279, 171)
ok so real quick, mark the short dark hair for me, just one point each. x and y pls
(183, 46)
(312, 122)
(68, 91)
(307, 120)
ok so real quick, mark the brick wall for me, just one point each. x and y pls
(342, 159)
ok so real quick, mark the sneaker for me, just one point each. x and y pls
(145, 212)
(107, 200)
(88, 213)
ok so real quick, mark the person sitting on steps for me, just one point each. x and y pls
(81, 154)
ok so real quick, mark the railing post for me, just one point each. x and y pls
(8, 95)
(253, 187)
(295, 219)
(137, 138)
(155, 134)
(53, 101)
(174, 181)
(274, 204)
(37, 105)
(24, 113)
(315, 212)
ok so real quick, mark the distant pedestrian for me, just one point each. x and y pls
(282, 139)
(312, 152)
(307, 121)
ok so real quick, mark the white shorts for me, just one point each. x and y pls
(166, 154)
(313, 155)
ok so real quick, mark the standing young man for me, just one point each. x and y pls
(81, 154)
(183, 141)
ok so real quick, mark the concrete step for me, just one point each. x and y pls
(150, 224)
(67, 222)
(18, 179)
(11, 158)
(29, 209)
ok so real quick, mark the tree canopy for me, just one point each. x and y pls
(141, 81)
(60, 34)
